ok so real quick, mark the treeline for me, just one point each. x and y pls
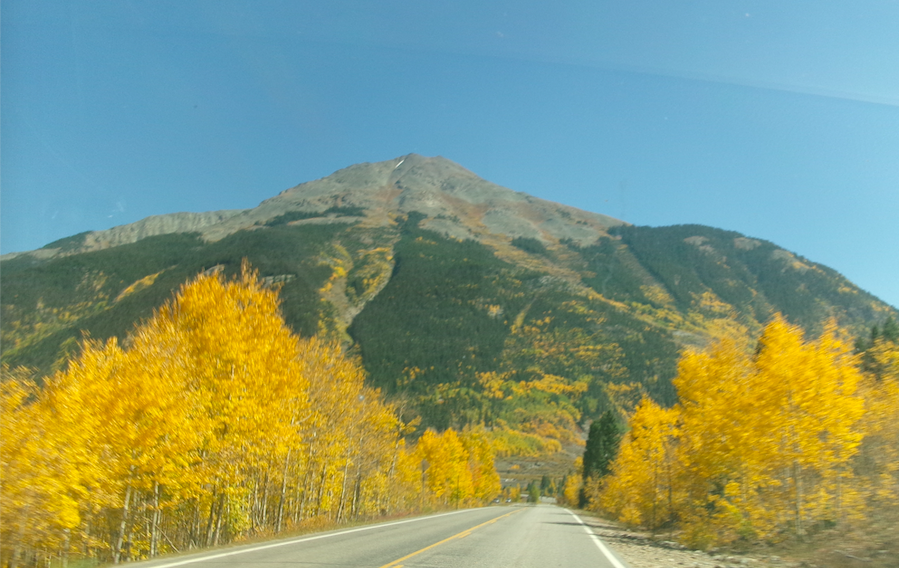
(766, 443)
(210, 423)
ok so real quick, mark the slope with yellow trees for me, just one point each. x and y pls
(210, 423)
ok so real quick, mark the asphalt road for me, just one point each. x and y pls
(540, 536)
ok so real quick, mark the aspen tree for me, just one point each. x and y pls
(19, 434)
(641, 488)
(723, 449)
(812, 392)
(485, 481)
(768, 440)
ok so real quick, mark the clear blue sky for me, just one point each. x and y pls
(776, 119)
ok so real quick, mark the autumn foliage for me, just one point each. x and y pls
(210, 423)
(765, 444)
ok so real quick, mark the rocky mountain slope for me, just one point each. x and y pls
(466, 301)
(457, 203)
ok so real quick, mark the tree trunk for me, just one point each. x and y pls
(117, 549)
(340, 502)
(154, 525)
(210, 523)
(222, 510)
(17, 547)
(283, 497)
(356, 491)
(321, 490)
(64, 553)
(193, 535)
(797, 484)
(265, 499)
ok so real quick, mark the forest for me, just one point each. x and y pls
(210, 423)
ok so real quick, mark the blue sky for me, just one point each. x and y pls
(776, 119)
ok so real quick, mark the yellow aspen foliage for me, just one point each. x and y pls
(571, 490)
(485, 482)
(572, 485)
(37, 504)
(763, 443)
(212, 422)
(447, 474)
(810, 392)
(720, 449)
(641, 488)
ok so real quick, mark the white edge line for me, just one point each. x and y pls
(305, 539)
(602, 547)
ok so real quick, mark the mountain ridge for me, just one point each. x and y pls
(470, 301)
(375, 186)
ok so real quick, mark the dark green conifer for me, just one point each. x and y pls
(890, 330)
(602, 446)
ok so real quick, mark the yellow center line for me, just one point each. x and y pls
(463, 534)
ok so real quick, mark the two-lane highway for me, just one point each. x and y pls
(494, 537)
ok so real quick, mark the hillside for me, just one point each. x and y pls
(465, 301)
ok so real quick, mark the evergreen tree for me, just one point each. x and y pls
(890, 331)
(602, 446)
(545, 484)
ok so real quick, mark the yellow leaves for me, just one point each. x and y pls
(710, 303)
(494, 310)
(640, 489)
(137, 286)
(485, 479)
(458, 469)
(444, 462)
(781, 426)
(508, 441)
(572, 489)
(657, 294)
(372, 271)
(492, 384)
(554, 385)
(624, 397)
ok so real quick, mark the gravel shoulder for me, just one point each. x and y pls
(643, 550)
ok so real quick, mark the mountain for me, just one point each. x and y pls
(465, 301)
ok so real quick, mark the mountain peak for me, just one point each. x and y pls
(457, 203)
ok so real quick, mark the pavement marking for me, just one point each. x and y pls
(463, 534)
(602, 547)
(305, 539)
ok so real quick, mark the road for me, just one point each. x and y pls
(541, 536)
